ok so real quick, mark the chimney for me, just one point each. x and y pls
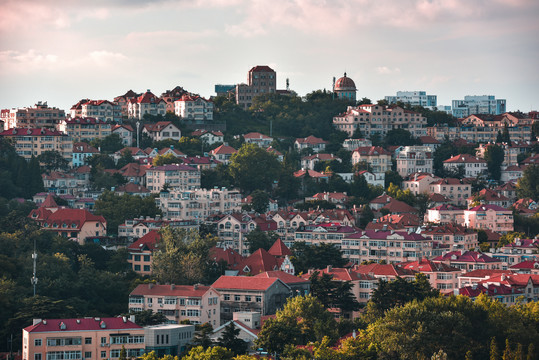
(172, 286)
(150, 285)
(195, 287)
(329, 268)
(132, 318)
(36, 321)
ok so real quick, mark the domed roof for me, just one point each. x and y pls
(345, 83)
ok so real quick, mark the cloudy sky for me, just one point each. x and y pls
(63, 50)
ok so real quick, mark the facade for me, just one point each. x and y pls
(34, 142)
(379, 119)
(261, 80)
(419, 183)
(308, 162)
(125, 132)
(441, 276)
(103, 110)
(223, 153)
(196, 303)
(194, 109)
(174, 175)
(83, 338)
(251, 294)
(456, 190)
(136, 228)
(169, 339)
(141, 253)
(310, 142)
(471, 165)
(162, 130)
(259, 139)
(413, 159)
(478, 104)
(468, 260)
(39, 116)
(198, 204)
(82, 151)
(209, 137)
(414, 98)
(456, 237)
(489, 217)
(351, 144)
(124, 100)
(85, 128)
(378, 159)
(345, 89)
(146, 103)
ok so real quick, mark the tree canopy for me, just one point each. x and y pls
(253, 168)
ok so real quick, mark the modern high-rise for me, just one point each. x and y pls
(478, 104)
(414, 98)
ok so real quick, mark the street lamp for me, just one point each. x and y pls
(138, 136)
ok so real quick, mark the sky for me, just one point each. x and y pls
(61, 51)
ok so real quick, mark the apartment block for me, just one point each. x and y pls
(33, 142)
(85, 128)
(414, 98)
(414, 159)
(39, 116)
(478, 104)
(174, 175)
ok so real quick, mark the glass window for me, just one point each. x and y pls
(87, 340)
(37, 342)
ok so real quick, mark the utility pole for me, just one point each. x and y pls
(33, 280)
(138, 140)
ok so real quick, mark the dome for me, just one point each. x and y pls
(345, 83)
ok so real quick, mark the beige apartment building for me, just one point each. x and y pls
(379, 119)
(39, 116)
(85, 128)
(174, 175)
(261, 80)
(414, 159)
(456, 190)
(196, 303)
(378, 159)
(34, 142)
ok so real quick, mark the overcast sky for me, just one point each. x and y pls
(63, 50)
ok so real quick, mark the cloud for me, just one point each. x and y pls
(107, 58)
(384, 70)
(23, 62)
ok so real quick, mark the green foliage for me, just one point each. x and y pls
(109, 144)
(392, 177)
(160, 160)
(333, 294)
(302, 320)
(230, 339)
(123, 354)
(261, 239)
(116, 209)
(218, 177)
(148, 317)
(445, 151)
(183, 257)
(211, 353)
(528, 184)
(125, 159)
(494, 155)
(53, 160)
(202, 336)
(253, 168)
(400, 137)
(101, 160)
(260, 201)
(305, 257)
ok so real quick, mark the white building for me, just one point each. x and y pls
(478, 104)
(414, 98)
(194, 108)
(414, 159)
(473, 166)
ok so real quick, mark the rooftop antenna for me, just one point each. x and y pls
(33, 280)
(287, 85)
(333, 92)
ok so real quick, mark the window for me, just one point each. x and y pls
(259, 299)
(87, 354)
(247, 298)
(37, 342)
(146, 258)
(87, 341)
(226, 297)
(37, 356)
(146, 268)
(103, 340)
(237, 298)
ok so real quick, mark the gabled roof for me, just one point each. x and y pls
(312, 173)
(83, 324)
(245, 283)
(279, 249)
(488, 289)
(283, 276)
(147, 242)
(31, 132)
(134, 170)
(311, 140)
(487, 207)
(384, 270)
(82, 147)
(132, 188)
(229, 255)
(340, 274)
(466, 256)
(49, 202)
(158, 126)
(257, 262)
(425, 265)
(464, 159)
(224, 149)
(122, 126)
(518, 280)
(256, 135)
(485, 273)
(527, 264)
(371, 151)
(84, 121)
(399, 207)
(78, 217)
(261, 68)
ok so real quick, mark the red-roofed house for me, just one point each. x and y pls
(441, 276)
(457, 237)
(82, 151)
(468, 260)
(196, 303)
(85, 128)
(310, 142)
(475, 276)
(162, 130)
(250, 293)
(332, 197)
(413, 159)
(378, 159)
(146, 103)
(209, 137)
(297, 284)
(386, 272)
(526, 267)
(257, 138)
(489, 197)
(529, 284)
(82, 338)
(308, 162)
(125, 132)
(33, 142)
(77, 224)
(444, 214)
(141, 253)
(419, 183)
(456, 190)
(194, 109)
(491, 217)
(175, 175)
(504, 294)
(473, 166)
(223, 153)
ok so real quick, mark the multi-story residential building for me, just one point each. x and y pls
(125, 132)
(259, 139)
(468, 260)
(34, 142)
(171, 96)
(471, 165)
(146, 103)
(481, 134)
(123, 101)
(478, 104)
(162, 130)
(489, 197)
(103, 110)
(518, 251)
(441, 276)
(310, 142)
(135, 228)
(372, 178)
(232, 230)
(196, 303)
(85, 129)
(209, 137)
(223, 153)
(140, 254)
(414, 98)
(261, 80)
(194, 109)
(528, 284)
(378, 159)
(168, 339)
(345, 88)
(456, 190)
(455, 236)
(82, 338)
(501, 292)
(39, 116)
(82, 151)
(419, 183)
(61, 183)
(379, 119)
(76, 110)
(198, 204)
(249, 293)
(174, 175)
(490, 217)
(414, 159)
(76, 224)
(308, 162)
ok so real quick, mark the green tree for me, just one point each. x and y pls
(259, 239)
(211, 353)
(253, 168)
(123, 354)
(528, 184)
(305, 257)
(202, 336)
(182, 256)
(332, 293)
(108, 144)
(507, 353)
(494, 156)
(260, 201)
(399, 137)
(230, 339)
(125, 159)
(105, 161)
(160, 160)
(494, 352)
(148, 317)
(53, 160)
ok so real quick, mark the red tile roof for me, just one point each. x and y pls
(261, 68)
(284, 277)
(425, 265)
(527, 264)
(279, 249)
(31, 132)
(244, 283)
(83, 324)
(49, 202)
(311, 140)
(224, 149)
(230, 256)
(82, 147)
(463, 159)
(78, 217)
(170, 290)
(84, 121)
(257, 262)
(371, 151)
(384, 270)
(466, 256)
